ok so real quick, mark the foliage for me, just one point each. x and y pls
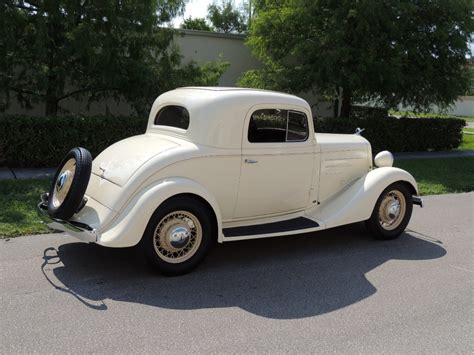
(389, 52)
(18, 208)
(55, 50)
(195, 24)
(399, 134)
(470, 91)
(441, 176)
(226, 18)
(43, 142)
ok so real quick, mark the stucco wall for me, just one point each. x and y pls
(202, 47)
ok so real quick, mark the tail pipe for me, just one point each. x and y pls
(417, 201)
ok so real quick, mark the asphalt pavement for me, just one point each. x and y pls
(335, 291)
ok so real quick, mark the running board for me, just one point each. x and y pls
(295, 224)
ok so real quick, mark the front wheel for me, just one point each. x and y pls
(178, 235)
(391, 213)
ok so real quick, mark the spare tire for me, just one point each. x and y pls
(69, 184)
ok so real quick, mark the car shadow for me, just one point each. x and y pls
(282, 278)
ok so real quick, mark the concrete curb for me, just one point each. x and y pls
(433, 155)
(26, 173)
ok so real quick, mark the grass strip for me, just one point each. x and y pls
(467, 142)
(440, 176)
(18, 207)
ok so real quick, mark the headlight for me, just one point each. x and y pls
(384, 158)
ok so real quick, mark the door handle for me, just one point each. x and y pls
(250, 161)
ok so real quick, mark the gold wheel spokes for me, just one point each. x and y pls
(177, 237)
(63, 183)
(392, 210)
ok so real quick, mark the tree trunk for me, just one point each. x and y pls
(51, 106)
(55, 81)
(51, 99)
(346, 103)
(335, 108)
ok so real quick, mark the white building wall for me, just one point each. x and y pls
(464, 106)
(203, 46)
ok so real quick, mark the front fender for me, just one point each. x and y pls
(357, 202)
(129, 226)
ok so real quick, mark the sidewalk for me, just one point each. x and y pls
(433, 155)
(26, 173)
(43, 173)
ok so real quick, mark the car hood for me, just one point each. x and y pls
(330, 142)
(121, 160)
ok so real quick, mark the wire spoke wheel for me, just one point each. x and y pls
(392, 210)
(177, 237)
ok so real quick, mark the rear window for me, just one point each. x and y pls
(173, 116)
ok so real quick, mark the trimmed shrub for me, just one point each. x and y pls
(368, 112)
(399, 134)
(44, 141)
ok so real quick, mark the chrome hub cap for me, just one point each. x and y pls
(392, 210)
(64, 182)
(177, 237)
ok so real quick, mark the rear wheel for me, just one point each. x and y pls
(391, 213)
(178, 235)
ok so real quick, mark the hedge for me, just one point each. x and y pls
(44, 141)
(399, 134)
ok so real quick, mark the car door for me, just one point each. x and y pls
(277, 162)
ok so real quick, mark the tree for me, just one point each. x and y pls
(226, 19)
(470, 90)
(52, 50)
(411, 52)
(196, 24)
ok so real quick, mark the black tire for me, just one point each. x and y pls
(374, 224)
(172, 207)
(65, 207)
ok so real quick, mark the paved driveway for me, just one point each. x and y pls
(333, 291)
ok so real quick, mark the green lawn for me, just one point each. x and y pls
(467, 141)
(18, 208)
(439, 176)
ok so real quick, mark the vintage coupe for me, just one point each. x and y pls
(225, 164)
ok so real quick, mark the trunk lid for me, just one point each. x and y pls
(121, 160)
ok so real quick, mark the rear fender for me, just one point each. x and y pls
(127, 230)
(357, 202)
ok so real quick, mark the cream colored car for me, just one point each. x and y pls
(225, 164)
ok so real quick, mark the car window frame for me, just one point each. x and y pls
(169, 127)
(277, 107)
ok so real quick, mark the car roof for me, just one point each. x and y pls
(217, 114)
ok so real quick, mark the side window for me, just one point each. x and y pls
(173, 116)
(297, 127)
(277, 126)
(268, 125)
